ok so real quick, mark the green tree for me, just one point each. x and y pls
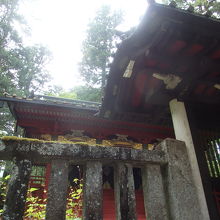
(98, 46)
(22, 68)
(58, 91)
(85, 93)
(200, 6)
(31, 73)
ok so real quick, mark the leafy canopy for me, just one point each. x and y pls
(200, 6)
(85, 93)
(22, 68)
(98, 46)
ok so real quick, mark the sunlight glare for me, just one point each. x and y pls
(61, 26)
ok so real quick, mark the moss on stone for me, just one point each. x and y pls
(20, 139)
(15, 138)
(85, 143)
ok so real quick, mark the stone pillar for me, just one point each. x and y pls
(181, 191)
(154, 195)
(125, 192)
(183, 133)
(57, 190)
(92, 191)
(17, 190)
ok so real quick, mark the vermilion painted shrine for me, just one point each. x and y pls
(164, 82)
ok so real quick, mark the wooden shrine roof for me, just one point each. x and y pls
(55, 116)
(172, 54)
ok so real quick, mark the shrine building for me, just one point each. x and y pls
(163, 90)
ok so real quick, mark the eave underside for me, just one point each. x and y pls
(172, 42)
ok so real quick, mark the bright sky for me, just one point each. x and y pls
(61, 26)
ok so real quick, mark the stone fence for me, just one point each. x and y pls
(169, 192)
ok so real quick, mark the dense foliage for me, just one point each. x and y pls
(3, 186)
(86, 93)
(200, 6)
(98, 46)
(22, 68)
(36, 206)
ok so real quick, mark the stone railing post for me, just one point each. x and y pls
(154, 195)
(57, 190)
(124, 192)
(92, 191)
(17, 190)
(181, 192)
